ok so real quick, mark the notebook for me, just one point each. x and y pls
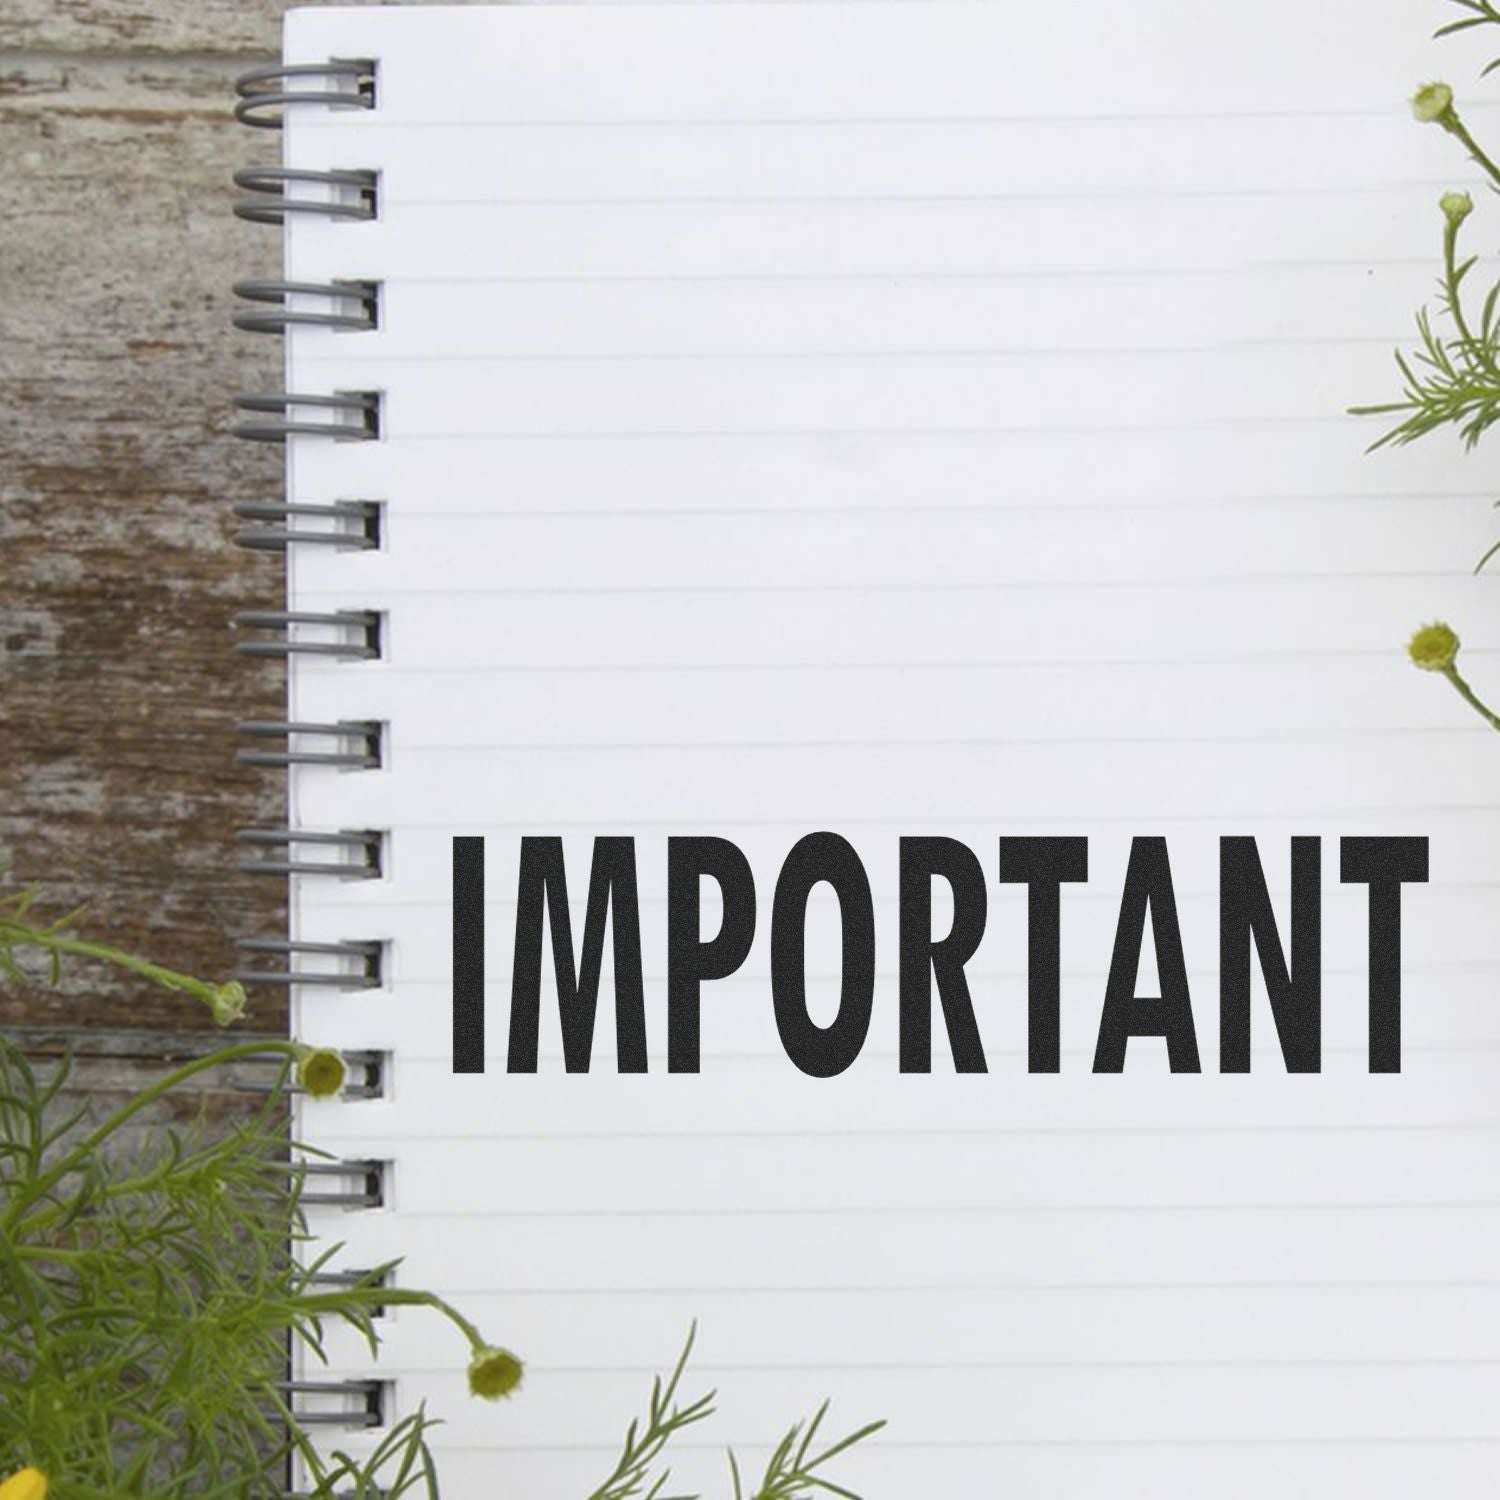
(882, 421)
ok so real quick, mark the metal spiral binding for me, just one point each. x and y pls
(368, 1397)
(356, 633)
(359, 742)
(361, 963)
(363, 847)
(350, 524)
(366, 1079)
(263, 90)
(377, 1276)
(360, 408)
(350, 193)
(355, 1184)
(273, 196)
(364, 296)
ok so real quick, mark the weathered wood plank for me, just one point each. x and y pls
(239, 29)
(223, 28)
(117, 361)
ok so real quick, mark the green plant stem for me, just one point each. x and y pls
(1452, 288)
(95, 1138)
(20, 935)
(1464, 691)
(1460, 132)
(385, 1296)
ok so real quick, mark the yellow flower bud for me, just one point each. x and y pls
(27, 1484)
(1456, 207)
(320, 1073)
(493, 1374)
(227, 1002)
(1432, 104)
(1434, 648)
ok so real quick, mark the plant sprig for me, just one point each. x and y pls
(789, 1471)
(645, 1440)
(1480, 13)
(1452, 380)
(20, 934)
(149, 1291)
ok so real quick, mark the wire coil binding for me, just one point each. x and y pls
(349, 193)
(264, 90)
(275, 195)
(360, 963)
(356, 416)
(362, 846)
(355, 633)
(362, 296)
(365, 1080)
(354, 1184)
(360, 742)
(350, 524)
(363, 1402)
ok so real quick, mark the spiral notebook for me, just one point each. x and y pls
(884, 420)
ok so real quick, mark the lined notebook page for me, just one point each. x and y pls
(901, 419)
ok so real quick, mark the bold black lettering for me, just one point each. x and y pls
(923, 959)
(1296, 997)
(1384, 864)
(468, 955)
(690, 960)
(822, 1051)
(542, 890)
(1148, 884)
(1042, 865)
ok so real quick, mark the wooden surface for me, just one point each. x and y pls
(117, 362)
(117, 778)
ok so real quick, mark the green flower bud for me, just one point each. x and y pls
(494, 1373)
(227, 1002)
(1434, 648)
(321, 1072)
(1456, 207)
(1432, 104)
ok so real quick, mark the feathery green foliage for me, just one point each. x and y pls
(148, 1295)
(790, 1471)
(1452, 378)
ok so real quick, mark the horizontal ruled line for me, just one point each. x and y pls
(1339, 420)
(1404, 189)
(1457, 733)
(946, 587)
(963, 1288)
(365, 122)
(1180, 1130)
(375, 360)
(1018, 273)
(922, 1211)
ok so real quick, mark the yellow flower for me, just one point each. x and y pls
(1432, 104)
(1434, 648)
(320, 1072)
(1456, 207)
(493, 1373)
(27, 1484)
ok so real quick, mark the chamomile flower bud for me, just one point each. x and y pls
(493, 1373)
(321, 1072)
(1432, 104)
(227, 1002)
(1456, 207)
(1434, 648)
(25, 1484)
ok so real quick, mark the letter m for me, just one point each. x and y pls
(542, 892)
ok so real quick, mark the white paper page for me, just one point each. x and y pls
(911, 419)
